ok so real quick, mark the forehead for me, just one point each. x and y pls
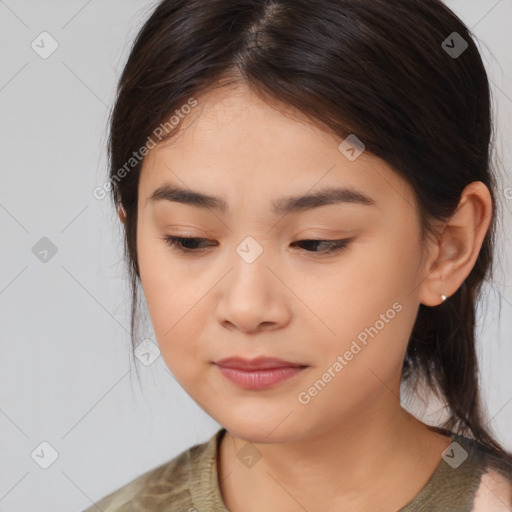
(235, 141)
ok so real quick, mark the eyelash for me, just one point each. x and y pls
(175, 242)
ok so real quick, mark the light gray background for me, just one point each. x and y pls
(65, 372)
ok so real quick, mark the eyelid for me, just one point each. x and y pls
(335, 246)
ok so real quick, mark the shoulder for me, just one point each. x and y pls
(493, 490)
(494, 493)
(168, 481)
(163, 486)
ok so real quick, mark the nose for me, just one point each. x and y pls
(254, 297)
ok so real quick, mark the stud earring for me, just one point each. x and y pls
(443, 296)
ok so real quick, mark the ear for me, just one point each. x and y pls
(122, 214)
(454, 253)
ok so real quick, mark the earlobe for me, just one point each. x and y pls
(458, 245)
(436, 287)
(122, 214)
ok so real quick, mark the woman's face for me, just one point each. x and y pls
(250, 290)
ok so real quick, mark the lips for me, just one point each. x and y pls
(260, 373)
(259, 363)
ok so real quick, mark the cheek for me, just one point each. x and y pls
(171, 299)
(166, 279)
(351, 295)
(369, 322)
(362, 363)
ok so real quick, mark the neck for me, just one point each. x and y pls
(354, 466)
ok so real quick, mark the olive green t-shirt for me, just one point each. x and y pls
(189, 483)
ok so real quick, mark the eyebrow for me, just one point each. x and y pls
(281, 206)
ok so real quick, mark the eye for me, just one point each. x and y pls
(190, 244)
(332, 245)
(180, 243)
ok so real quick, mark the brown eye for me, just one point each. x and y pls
(185, 244)
(195, 244)
(332, 245)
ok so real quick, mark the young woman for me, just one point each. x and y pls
(310, 210)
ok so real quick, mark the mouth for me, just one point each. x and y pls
(258, 363)
(259, 373)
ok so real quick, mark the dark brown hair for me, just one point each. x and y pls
(374, 68)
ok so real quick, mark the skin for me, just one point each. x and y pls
(352, 447)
